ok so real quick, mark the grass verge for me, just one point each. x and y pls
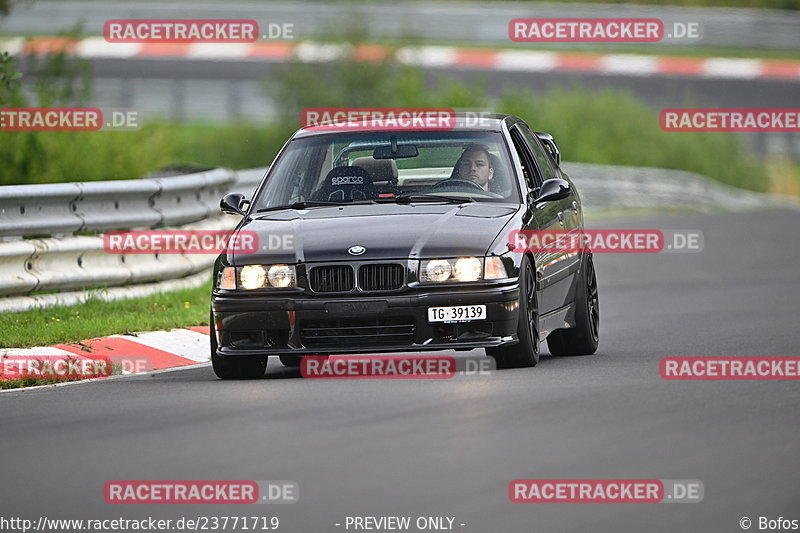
(95, 318)
(29, 382)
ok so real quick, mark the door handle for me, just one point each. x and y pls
(574, 207)
(561, 218)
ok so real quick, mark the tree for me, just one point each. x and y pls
(8, 75)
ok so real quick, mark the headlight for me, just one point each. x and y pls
(257, 277)
(468, 269)
(281, 276)
(253, 277)
(456, 269)
(436, 271)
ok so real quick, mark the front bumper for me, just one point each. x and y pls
(249, 324)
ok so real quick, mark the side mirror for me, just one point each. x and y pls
(234, 204)
(553, 189)
(550, 145)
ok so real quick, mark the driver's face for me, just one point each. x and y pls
(475, 167)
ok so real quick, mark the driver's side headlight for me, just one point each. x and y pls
(461, 269)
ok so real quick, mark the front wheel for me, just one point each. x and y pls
(584, 338)
(235, 366)
(526, 352)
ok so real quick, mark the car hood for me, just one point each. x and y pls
(386, 231)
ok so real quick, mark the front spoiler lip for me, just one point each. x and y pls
(414, 303)
(490, 342)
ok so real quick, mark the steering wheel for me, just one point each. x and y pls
(457, 182)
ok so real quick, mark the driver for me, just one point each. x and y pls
(475, 165)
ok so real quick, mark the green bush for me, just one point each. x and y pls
(235, 145)
(45, 157)
(614, 128)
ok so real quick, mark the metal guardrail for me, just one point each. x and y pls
(604, 187)
(40, 250)
(66, 208)
(248, 180)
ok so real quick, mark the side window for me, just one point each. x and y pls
(545, 165)
(528, 167)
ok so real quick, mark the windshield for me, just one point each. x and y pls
(377, 167)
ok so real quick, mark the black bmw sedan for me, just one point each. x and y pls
(375, 241)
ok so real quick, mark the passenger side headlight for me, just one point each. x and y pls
(281, 276)
(251, 277)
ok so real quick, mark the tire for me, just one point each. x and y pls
(526, 352)
(584, 338)
(291, 361)
(235, 366)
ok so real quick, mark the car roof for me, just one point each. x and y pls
(464, 121)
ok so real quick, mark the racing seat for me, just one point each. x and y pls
(383, 171)
(346, 184)
(379, 169)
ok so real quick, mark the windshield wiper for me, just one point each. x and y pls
(312, 203)
(405, 199)
(408, 198)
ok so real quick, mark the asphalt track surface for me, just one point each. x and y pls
(451, 447)
(655, 90)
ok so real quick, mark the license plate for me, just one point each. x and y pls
(457, 313)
